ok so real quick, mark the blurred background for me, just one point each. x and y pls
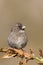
(28, 12)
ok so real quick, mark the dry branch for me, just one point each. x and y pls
(13, 52)
(9, 52)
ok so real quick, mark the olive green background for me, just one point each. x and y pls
(28, 12)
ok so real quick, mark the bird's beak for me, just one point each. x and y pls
(23, 27)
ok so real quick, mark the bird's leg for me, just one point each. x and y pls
(23, 49)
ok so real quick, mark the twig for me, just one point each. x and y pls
(9, 52)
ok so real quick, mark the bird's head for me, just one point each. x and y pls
(20, 26)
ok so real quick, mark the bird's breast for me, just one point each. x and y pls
(17, 40)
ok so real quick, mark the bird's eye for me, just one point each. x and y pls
(20, 27)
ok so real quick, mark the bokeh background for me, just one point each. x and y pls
(28, 12)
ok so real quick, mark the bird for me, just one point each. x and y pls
(17, 37)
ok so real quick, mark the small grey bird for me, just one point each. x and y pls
(17, 37)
